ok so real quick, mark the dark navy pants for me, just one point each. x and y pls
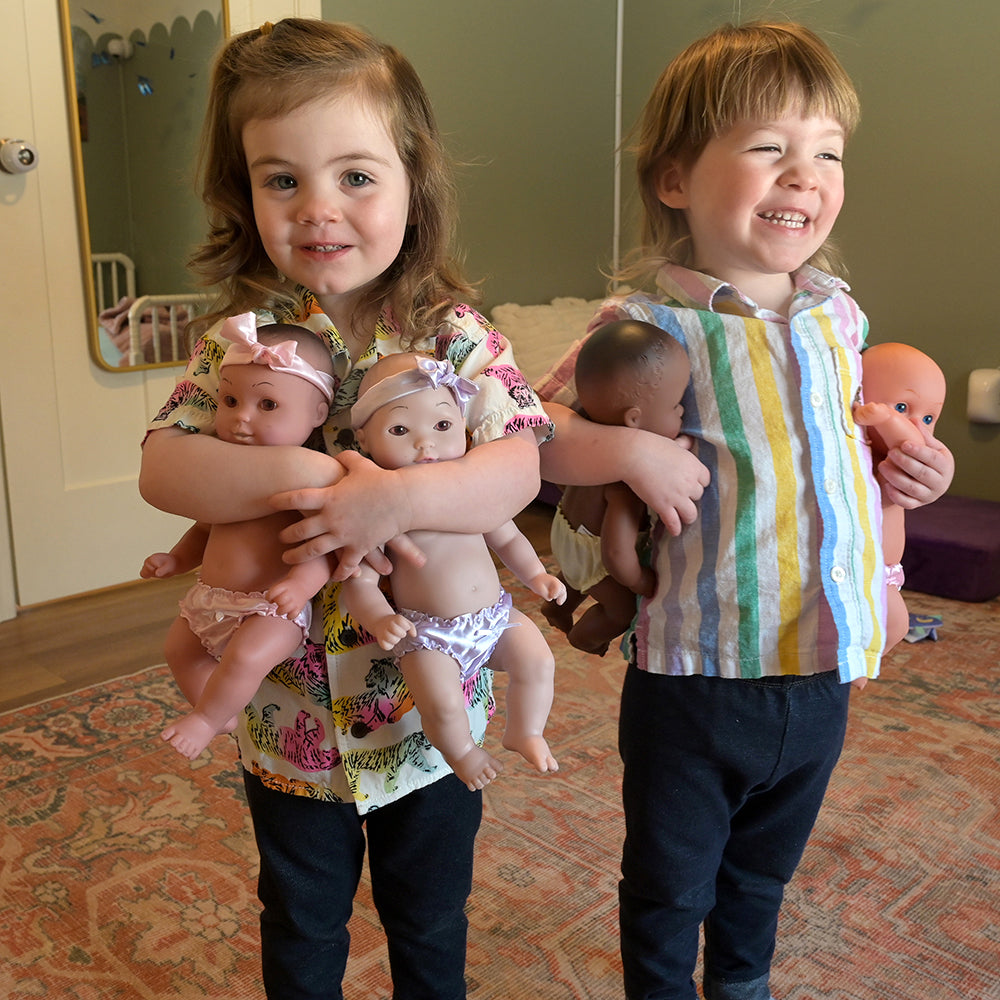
(723, 782)
(420, 852)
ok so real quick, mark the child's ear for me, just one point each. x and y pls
(632, 416)
(671, 186)
(322, 412)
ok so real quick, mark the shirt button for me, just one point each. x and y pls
(830, 486)
(838, 574)
(816, 399)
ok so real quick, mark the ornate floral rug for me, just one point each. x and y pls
(127, 873)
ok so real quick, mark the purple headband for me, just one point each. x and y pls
(246, 349)
(426, 374)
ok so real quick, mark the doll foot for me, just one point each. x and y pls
(598, 647)
(558, 616)
(189, 735)
(534, 750)
(476, 768)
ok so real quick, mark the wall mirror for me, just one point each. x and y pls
(137, 81)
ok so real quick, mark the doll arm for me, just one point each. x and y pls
(370, 505)
(519, 556)
(185, 555)
(663, 473)
(301, 584)
(620, 529)
(367, 605)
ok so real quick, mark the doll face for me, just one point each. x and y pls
(425, 426)
(264, 407)
(660, 409)
(906, 380)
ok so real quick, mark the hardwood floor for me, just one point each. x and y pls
(53, 649)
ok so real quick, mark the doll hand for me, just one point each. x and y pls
(667, 478)
(548, 586)
(353, 517)
(388, 631)
(913, 474)
(288, 596)
(158, 565)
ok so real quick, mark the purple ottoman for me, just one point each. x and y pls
(953, 549)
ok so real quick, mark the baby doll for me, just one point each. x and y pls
(630, 374)
(904, 393)
(453, 615)
(249, 610)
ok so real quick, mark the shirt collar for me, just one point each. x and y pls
(697, 290)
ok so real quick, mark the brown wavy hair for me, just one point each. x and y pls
(754, 70)
(271, 71)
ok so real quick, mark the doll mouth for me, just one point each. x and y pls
(789, 220)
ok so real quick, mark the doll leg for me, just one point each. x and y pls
(604, 620)
(190, 663)
(434, 681)
(524, 655)
(897, 618)
(257, 646)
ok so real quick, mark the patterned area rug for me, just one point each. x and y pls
(127, 873)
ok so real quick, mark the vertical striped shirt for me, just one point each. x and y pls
(783, 571)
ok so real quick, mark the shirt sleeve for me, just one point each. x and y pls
(505, 403)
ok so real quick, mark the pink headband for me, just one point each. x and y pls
(245, 349)
(426, 374)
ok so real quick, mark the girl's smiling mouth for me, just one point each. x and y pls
(790, 220)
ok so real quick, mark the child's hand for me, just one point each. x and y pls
(388, 631)
(548, 586)
(913, 475)
(353, 517)
(158, 566)
(667, 478)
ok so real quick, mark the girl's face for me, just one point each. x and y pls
(760, 200)
(264, 407)
(331, 198)
(426, 426)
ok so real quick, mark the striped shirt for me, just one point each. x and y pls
(783, 572)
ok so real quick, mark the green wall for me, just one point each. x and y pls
(524, 90)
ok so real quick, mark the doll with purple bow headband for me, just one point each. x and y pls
(451, 615)
(248, 610)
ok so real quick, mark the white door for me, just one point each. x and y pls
(71, 431)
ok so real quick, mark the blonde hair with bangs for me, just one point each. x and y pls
(755, 70)
(269, 72)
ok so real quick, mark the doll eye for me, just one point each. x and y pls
(397, 430)
(901, 407)
(928, 419)
(443, 425)
(229, 401)
(268, 405)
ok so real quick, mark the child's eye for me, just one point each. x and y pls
(833, 157)
(901, 407)
(281, 182)
(357, 179)
(397, 430)
(443, 425)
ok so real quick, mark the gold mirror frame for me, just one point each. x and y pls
(80, 190)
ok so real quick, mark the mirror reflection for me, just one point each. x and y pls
(140, 75)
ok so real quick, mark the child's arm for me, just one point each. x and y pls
(184, 556)
(519, 556)
(620, 530)
(367, 605)
(201, 477)
(301, 584)
(661, 472)
(471, 494)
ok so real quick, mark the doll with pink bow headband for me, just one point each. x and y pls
(248, 610)
(451, 614)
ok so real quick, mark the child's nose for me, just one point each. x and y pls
(800, 173)
(318, 207)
